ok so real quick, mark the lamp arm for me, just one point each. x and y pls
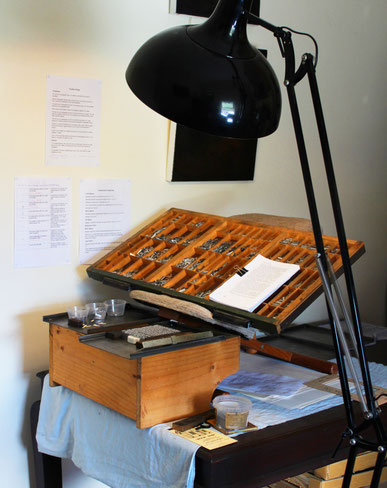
(371, 412)
(287, 51)
(350, 284)
(292, 77)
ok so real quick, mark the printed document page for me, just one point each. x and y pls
(73, 121)
(105, 217)
(42, 221)
(258, 280)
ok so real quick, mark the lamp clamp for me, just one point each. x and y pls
(285, 43)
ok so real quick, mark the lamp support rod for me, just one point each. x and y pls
(372, 417)
(371, 410)
(343, 308)
(343, 342)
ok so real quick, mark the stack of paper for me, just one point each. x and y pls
(304, 397)
(283, 391)
(254, 283)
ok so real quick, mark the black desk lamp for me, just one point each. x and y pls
(210, 78)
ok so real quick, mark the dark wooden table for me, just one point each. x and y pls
(275, 453)
(259, 458)
(283, 450)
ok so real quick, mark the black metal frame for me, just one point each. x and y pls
(372, 413)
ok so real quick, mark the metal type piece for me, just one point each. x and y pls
(223, 247)
(301, 259)
(158, 254)
(216, 271)
(185, 262)
(130, 274)
(194, 267)
(209, 244)
(203, 294)
(157, 232)
(175, 240)
(231, 250)
(188, 241)
(163, 280)
(145, 250)
(279, 301)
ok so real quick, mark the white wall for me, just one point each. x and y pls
(96, 39)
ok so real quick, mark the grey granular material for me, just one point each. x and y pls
(147, 331)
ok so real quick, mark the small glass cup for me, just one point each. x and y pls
(77, 315)
(115, 307)
(97, 311)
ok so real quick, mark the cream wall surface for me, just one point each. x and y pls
(96, 39)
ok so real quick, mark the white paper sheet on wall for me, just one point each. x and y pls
(105, 217)
(73, 108)
(42, 222)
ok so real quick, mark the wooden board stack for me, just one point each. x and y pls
(331, 476)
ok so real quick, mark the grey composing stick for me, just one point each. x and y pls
(172, 339)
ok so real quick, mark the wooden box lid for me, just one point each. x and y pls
(187, 255)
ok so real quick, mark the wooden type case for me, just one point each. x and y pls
(188, 255)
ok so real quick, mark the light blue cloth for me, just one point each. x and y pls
(108, 447)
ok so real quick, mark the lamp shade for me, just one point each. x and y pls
(209, 77)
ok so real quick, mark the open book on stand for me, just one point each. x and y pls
(254, 283)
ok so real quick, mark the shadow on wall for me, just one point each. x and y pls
(34, 335)
(35, 354)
